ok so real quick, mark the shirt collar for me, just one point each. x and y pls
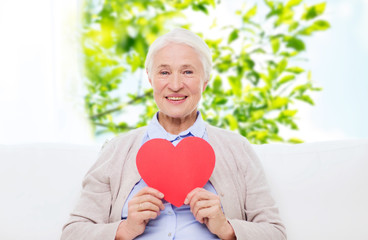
(155, 130)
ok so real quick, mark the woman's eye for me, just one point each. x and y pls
(188, 72)
(164, 73)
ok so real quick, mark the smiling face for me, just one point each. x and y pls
(177, 79)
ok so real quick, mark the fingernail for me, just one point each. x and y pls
(186, 201)
(161, 195)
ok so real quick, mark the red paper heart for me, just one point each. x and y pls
(175, 171)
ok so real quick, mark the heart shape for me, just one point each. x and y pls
(175, 171)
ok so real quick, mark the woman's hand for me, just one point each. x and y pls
(145, 205)
(206, 208)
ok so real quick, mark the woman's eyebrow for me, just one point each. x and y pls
(163, 66)
(187, 66)
(182, 66)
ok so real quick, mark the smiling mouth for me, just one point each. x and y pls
(176, 98)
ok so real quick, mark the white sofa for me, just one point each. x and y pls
(321, 188)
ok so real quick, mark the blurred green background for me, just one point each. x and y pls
(257, 74)
(71, 71)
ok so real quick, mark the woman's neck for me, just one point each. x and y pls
(176, 125)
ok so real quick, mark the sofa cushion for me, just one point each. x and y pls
(40, 184)
(321, 188)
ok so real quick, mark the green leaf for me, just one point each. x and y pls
(300, 89)
(114, 73)
(200, 7)
(233, 123)
(282, 65)
(295, 140)
(235, 84)
(285, 79)
(253, 77)
(305, 98)
(314, 11)
(295, 43)
(319, 25)
(275, 43)
(217, 83)
(269, 3)
(279, 102)
(316, 89)
(219, 101)
(251, 13)
(257, 50)
(276, 138)
(233, 36)
(293, 26)
(259, 135)
(256, 115)
(292, 3)
(213, 43)
(272, 75)
(288, 122)
(285, 17)
(309, 76)
(289, 54)
(287, 113)
(295, 70)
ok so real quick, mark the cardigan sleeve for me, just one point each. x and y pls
(262, 216)
(90, 218)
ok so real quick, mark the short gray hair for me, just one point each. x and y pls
(180, 35)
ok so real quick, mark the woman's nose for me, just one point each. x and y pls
(175, 83)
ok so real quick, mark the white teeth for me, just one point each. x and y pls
(175, 98)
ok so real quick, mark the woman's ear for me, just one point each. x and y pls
(205, 85)
(149, 78)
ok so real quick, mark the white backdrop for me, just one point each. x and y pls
(41, 95)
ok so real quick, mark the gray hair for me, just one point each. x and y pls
(180, 35)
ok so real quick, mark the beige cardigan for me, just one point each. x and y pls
(238, 178)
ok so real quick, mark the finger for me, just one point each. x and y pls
(151, 199)
(145, 196)
(201, 196)
(204, 214)
(150, 191)
(143, 216)
(140, 206)
(203, 204)
(147, 206)
(190, 195)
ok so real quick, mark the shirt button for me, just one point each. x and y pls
(169, 234)
(170, 213)
(222, 194)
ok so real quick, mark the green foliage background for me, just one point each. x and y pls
(255, 79)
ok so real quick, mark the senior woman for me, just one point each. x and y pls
(235, 203)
